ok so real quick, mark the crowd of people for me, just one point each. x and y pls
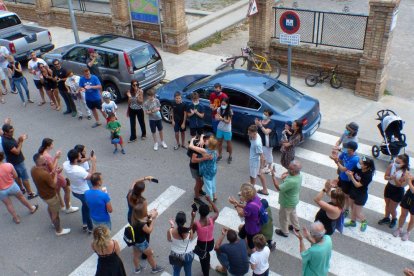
(249, 246)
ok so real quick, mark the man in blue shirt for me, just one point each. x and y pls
(347, 161)
(92, 87)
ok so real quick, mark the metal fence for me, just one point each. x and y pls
(97, 6)
(342, 30)
(30, 2)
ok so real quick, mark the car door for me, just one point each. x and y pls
(109, 66)
(75, 59)
(245, 109)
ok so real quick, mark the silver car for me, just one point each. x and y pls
(122, 59)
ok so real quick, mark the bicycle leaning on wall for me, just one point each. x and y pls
(335, 81)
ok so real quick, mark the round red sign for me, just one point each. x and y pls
(289, 22)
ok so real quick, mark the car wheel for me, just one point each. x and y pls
(113, 89)
(166, 112)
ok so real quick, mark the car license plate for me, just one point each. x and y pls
(151, 72)
(314, 129)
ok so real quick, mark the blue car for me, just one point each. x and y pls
(250, 93)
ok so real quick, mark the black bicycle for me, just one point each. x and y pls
(334, 79)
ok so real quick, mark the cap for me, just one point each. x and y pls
(353, 126)
(352, 145)
(91, 50)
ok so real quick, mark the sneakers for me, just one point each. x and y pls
(138, 270)
(24, 104)
(74, 113)
(346, 213)
(350, 223)
(123, 151)
(384, 221)
(89, 117)
(393, 223)
(397, 233)
(229, 160)
(80, 118)
(71, 210)
(164, 145)
(115, 151)
(272, 246)
(404, 237)
(95, 125)
(31, 196)
(132, 140)
(364, 225)
(63, 232)
(219, 158)
(157, 269)
(176, 147)
(84, 228)
(156, 146)
(202, 193)
(30, 101)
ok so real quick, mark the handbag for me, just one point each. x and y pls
(177, 259)
(201, 253)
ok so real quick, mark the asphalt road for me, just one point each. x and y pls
(31, 248)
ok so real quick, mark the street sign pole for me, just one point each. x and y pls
(289, 63)
(73, 21)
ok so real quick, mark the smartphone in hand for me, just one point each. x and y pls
(92, 153)
(154, 180)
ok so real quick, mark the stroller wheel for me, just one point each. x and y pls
(375, 151)
(403, 137)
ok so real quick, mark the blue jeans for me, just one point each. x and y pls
(18, 83)
(188, 261)
(86, 217)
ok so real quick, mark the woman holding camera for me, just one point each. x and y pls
(205, 234)
(181, 252)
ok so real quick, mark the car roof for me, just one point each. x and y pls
(115, 42)
(5, 13)
(243, 80)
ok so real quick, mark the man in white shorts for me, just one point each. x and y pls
(256, 159)
(32, 65)
(4, 73)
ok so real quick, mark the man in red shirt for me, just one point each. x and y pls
(215, 102)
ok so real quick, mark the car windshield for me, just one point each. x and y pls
(280, 98)
(144, 56)
(196, 82)
(9, 21)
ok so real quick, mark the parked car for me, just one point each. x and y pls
(250, 94)
(122, 59)
(21, 39)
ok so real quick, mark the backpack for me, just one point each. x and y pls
(129, 235)
(263, 215)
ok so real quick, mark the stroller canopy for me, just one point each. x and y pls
(391, 125)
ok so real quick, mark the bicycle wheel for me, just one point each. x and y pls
(335, 82)
(276, 69)
(225, 65)
(311, 80)
(240, 62)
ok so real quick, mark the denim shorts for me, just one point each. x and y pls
(223, 135)
(142, 246)
(154, 125)
(21, 171)
(10, 191)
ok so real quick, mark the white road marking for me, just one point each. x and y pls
(310, 181)
(161, 203)
(324, 160)
(341, 265)
(372, 236)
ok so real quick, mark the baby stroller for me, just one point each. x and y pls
(390, 127)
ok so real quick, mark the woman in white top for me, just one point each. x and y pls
(396, 175)
(180, 239)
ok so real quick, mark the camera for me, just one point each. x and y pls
(194, 207)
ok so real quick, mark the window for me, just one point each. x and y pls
(77, 54)
(241, 99)
(280, 98)
(108, 60)
(144, 56)
(9, 21)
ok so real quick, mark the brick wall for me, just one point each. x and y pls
(149, 32)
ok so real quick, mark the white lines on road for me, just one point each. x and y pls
(310, 181)
(372, 236)
(161, 203)
(341, 265)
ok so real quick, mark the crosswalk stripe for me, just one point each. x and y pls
(310, 181)
(372, 236)
(341, 265)
(328, 162)
(362, 148)
(161, 203)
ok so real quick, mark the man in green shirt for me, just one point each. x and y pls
(289, 191)
(315, 260)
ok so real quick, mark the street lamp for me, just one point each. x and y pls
(73, 21)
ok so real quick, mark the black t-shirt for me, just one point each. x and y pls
(364, 178)
(179, 110)
(140, 235)
(8, 145)
(190, 153)
(61, 74)
(15, 74)
(270, 125)
(94, 68)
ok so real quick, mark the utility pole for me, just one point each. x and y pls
(73, 21)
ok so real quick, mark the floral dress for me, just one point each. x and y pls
(289, 151)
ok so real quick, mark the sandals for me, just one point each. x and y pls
(262, 193)
(41, 103)
(34, 211)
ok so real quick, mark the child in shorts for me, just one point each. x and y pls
(109, 106)
(223, 116)
(179, 118)
(115, 127)
(152, 109)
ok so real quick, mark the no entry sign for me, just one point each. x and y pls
(289, 22)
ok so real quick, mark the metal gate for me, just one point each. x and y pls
(334, 29)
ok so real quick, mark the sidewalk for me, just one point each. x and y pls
(338, 107)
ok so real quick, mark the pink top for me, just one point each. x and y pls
(61, 181)
(205, 233)
(6, 175)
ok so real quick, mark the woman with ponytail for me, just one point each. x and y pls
(180, 243)
(108, 251)
(61, 182)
